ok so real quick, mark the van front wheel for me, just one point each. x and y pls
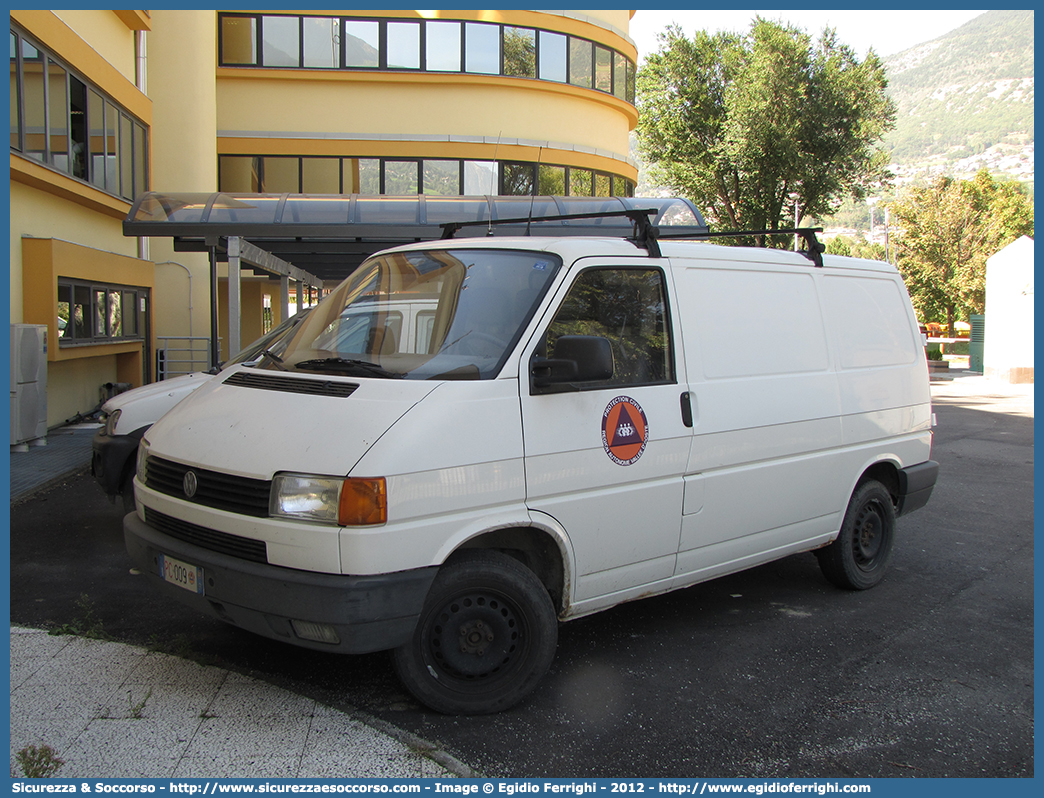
(857, 559)
(486, 636)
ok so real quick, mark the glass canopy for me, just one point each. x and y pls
(329, 235)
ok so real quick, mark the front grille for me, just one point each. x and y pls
(210, 539)
(234, 494)
(275, 382)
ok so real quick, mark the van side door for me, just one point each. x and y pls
(766, 476)
(605, 457)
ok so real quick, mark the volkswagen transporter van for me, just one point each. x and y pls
(567, 424)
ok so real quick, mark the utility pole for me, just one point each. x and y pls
(796, 198)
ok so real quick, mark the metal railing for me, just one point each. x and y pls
(177, 355)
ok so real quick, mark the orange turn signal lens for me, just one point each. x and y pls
(363, 502)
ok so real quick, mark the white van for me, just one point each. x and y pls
(588, 422)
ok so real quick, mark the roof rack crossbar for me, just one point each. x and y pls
(643, 230)
(814, 248)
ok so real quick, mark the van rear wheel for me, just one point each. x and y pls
(858, 558)
(486, 636)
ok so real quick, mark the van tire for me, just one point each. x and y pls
(503, 629)
(858, 558)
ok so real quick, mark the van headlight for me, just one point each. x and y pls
(142, 464)
(329, 500)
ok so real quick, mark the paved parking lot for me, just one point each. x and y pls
(771, 672)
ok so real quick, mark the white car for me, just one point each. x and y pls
(126, 416)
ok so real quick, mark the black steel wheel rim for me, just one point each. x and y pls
(869, 536)
(476, 636)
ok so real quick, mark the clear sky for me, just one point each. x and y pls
(887, 31)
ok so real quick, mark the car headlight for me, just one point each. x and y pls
(329, 500)
(111, 420)
(142, 465)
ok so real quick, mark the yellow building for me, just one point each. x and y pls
(107, 105)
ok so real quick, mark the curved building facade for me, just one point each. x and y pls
(108, 104)
(463, 102)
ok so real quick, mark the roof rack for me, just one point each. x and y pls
(646, 234)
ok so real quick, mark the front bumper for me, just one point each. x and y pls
(368, 613)
(110, 456)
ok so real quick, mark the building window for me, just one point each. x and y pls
(281, 41)
(403, 45)
(603, 69)
(94, 313)
(485, 48)
(580, 182)
(580, 57)
(362, 44)
(238, 40)
(520, 52)
(553, 47)
(320, 175)
(480, 178)
(482, 48)
(621, 69)
(96, 115)
(61, 120)
(322, 42)
(551, 181)
(441, 178)
(401, 178)
(290, 174)
(516, 179)
(442, 46)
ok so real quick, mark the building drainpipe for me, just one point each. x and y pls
(141, 62)
(189, 272)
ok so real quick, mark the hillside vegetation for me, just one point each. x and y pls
(965, 93)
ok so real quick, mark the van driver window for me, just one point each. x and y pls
(628, 307)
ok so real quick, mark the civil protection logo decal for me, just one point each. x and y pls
(625, 430)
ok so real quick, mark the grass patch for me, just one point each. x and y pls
(84, 624)
(38, 763)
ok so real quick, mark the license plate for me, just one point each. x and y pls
(182, 574)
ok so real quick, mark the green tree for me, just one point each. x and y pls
(946, 232)
(739, 123)
(855, 248)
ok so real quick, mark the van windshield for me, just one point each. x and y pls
(433, 314)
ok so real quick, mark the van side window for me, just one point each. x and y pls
(627, 306)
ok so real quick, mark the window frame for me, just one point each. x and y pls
(620, 86)
(91, 312)
(125, 154)
(670, 354)
(619, 186)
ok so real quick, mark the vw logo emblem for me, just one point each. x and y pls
(190, 484)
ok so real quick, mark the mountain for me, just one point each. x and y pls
(965, 100)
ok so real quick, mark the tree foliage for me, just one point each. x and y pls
(946, 232)
(854, 248)
(738, 123)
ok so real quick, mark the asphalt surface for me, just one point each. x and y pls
(772, 672)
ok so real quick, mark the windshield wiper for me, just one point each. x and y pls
(354, 368)
(278, 361)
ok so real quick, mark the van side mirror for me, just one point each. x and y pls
(578, 358)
